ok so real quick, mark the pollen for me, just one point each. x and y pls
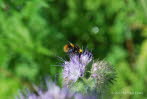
(80, 50)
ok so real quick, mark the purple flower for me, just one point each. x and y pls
(75, 68)
(53, 92)
(85, 57)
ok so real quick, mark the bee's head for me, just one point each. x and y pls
(68, 48)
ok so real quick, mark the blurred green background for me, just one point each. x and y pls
(33, 33)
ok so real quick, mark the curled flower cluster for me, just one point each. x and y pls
(75, 68)
(53, 92)
(103, 73)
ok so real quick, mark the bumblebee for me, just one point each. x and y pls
(72, 49)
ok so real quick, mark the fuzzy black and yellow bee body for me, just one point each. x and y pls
(72, 49)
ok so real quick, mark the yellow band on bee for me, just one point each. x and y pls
(71, 44)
